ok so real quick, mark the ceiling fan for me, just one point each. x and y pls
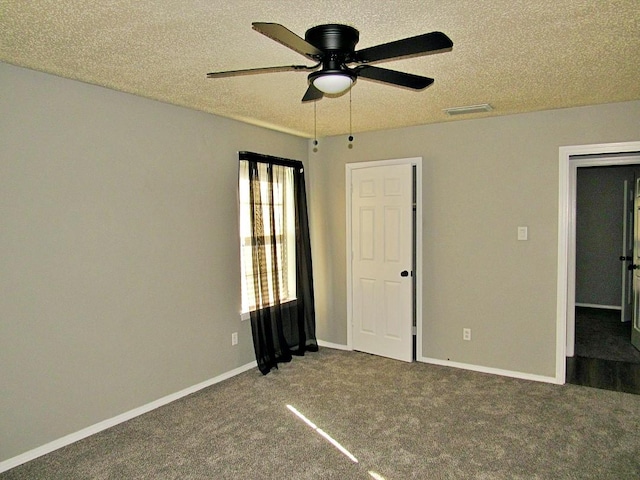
(332, 47)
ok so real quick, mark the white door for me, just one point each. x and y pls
(635, 331)
(627, 252)
(382, 239)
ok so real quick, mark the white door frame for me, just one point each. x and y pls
(417, 163)
(568, 170)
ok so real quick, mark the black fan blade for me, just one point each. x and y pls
(286, 37)
(253, 71)
(312, 94)
(401, 79)
(434, 42)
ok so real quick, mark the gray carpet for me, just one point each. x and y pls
(399, 420)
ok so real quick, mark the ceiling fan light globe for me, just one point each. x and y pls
(333, 83)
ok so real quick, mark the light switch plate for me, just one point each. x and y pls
(523, 233)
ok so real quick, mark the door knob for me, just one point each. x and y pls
(625, 258)
(404, 273)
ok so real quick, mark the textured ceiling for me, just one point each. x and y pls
(518, 56)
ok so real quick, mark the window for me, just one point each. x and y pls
(274, 230)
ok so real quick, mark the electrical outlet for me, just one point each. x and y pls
(466, 334)
(234, 338)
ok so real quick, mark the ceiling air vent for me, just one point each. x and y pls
(484, 107)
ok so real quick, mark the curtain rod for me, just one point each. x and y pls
(259, 157)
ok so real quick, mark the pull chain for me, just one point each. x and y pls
(350, 123)
(315, 127)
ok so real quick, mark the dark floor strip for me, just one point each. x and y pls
(605, 374)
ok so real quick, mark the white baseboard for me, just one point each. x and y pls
(593, 305)
(493, 371)
(98, 427)
(337, 346)
(467, 366)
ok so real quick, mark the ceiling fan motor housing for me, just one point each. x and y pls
(333, 37)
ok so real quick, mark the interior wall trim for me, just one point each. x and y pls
(123, 417)
(336, 346)
(491, 370)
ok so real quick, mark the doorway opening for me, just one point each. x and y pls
(572, 158)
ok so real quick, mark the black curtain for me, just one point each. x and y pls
(280, 327)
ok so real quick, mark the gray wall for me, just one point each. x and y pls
(481, 179)
(599, 226)
(120, 257)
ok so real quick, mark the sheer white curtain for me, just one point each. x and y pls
(277, 235)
